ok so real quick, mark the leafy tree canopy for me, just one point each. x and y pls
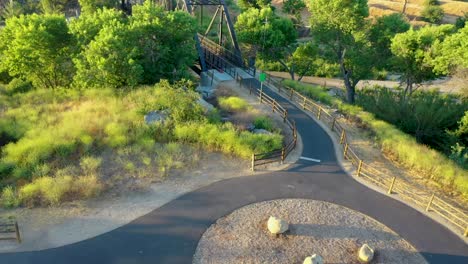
(339, 27)
(90, 6)
(381, 33)
(451, 53)
(412, 51)
(37, 48)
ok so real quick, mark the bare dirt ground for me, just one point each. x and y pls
(377, 8)
(43, 228)
(334, 232)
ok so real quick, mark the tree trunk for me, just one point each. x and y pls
(404, 7)
(350, 90)
(350, 87)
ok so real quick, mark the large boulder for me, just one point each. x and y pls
(314, 259)
(156, 116)
(366, 253)
(277, 226)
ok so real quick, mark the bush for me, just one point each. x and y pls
(263, 122)
(432, 14)
(87, 186)
(53, 191)
(233, 104)
(9, 198)
(225, 138)
(90, 165)
(18, 86)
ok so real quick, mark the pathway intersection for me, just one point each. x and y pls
(170, 233)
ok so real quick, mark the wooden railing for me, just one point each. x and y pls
(9, 229)
(278, 155)
(455, 216)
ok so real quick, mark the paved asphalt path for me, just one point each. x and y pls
(170, 233)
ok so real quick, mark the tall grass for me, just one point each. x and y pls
(233, 104)
(227, 139)
(402, 147)
(57, 143)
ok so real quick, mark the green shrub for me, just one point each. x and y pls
(433, 14)
(213, 116)
(90, 165)
(233, 104)
(87, 186)
(53, 191)
(263, 122)
(9, 198)
(227, 139)
(18, 86)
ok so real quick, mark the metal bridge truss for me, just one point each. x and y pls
(212, 54)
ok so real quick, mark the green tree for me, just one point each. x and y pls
(294, 7)
(53, 6)
(432, 14)
(258, 4)
(272, 36)
(451, 54)
(90, 6)
(165, 41)
(304, 59)
(381, 34)
(150, 45)
(38, 48)
(110, 59)
(11, 9)
(87, 26)
(412, 51)
(339, 27)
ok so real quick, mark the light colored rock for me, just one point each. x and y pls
(262, 131)
(155, 116)
(277, 226)
(207, 106)
(314, 259)
(366, 253)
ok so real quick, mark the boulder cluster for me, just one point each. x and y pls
(277, 226)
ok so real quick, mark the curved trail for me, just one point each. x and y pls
(170, 233)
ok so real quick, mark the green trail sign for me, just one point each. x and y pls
(262, 77)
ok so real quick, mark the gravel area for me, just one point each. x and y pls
(315, 227)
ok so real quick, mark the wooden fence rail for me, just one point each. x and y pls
(9, 229)
(457, 217)
(278, 155)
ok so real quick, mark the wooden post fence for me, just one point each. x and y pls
(429, 203)
(345, 150)
(274, 105)
(18, 237)
(283, 154)
(333, 124)
(291, 94)
(359, 168)
(253, 162)
(342, 137)
(285, 115)
(319, 113)
(391, 186)
(304, 103)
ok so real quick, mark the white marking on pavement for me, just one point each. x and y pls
(309, 159)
